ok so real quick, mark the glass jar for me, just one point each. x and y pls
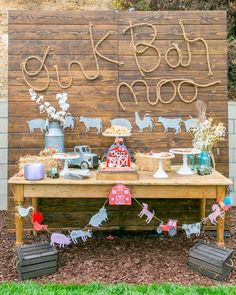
(191, 162)
(204, 163)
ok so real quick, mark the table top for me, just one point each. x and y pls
(145, 178)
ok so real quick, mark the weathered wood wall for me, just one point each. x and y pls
(30, 32)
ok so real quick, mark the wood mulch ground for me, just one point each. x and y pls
(130, 259)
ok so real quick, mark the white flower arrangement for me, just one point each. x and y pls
(45, 106)
(207, 134)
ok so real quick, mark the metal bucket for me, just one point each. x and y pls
(55, 137)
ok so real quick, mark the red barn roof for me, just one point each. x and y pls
(120, 195)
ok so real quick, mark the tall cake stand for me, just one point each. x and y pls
(160, 173)
(185, 169)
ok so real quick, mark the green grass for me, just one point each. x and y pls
(29, 288)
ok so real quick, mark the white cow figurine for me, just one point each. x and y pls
(170, 123)
(92, 123)
(191, 229)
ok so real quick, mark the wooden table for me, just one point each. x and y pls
(176, 187)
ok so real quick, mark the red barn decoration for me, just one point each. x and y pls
(120, 195)
(118, 157)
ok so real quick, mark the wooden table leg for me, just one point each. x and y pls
(220, 194)
(35, 206)
(202, 210)
(18, 192)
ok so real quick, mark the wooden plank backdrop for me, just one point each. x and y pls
(31, 32)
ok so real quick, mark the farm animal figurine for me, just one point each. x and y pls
(37, 124)
(146, 212)
(146, 122)
(23, 212)
(194, 228)
(170, 123)
(92, 123)
(216, 212)
(38, 226)
(84, 235)
(69, 123)
(121, 122)
(190, 124)
(60, 239)
(97, 219)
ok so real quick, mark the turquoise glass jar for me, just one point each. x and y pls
(204, 163)
(192, 162)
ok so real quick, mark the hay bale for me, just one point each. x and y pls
(47, 161)
(145, 163)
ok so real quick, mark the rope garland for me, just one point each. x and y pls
(176, 90)
(42, 61)
(94, 77)
(145, 45)
(138, 48)
(176, 48)
(104, 57)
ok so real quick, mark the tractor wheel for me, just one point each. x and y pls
(172, 232)
(84, 165)
(159, 230)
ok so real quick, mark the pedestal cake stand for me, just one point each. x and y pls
(160, 173)
(185, 169)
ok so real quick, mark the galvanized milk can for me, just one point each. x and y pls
(54, 137)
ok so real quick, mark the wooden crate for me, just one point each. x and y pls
(210, 260)
(36, 260)
(120, 174)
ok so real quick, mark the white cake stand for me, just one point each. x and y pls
(185, 169)
(160, 173)
(66, 158)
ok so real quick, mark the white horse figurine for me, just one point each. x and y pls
(216, 212)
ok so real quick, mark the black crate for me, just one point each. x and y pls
(36, 260)
(210, 260)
